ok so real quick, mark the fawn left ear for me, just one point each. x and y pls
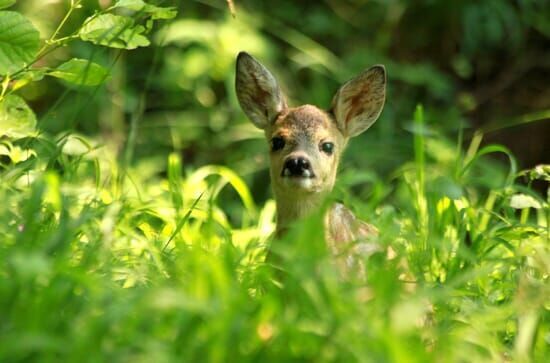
(359, 102)
(258, 92)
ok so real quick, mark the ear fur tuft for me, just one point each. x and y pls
(359, 102)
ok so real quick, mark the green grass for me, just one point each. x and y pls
(106, 262)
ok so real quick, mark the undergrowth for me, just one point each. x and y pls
(101, 262)
(107, 257)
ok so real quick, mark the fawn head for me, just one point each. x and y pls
(306, 142)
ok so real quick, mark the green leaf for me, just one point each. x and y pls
(130, 4)
(541, 172)
(81, 72)
(156, 12)
(521, 201)
(19, 41)
(17, 120)
(114, 31)
(16, 153)
(30, 75)
(6, 3)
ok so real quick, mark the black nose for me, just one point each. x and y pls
(297, 167)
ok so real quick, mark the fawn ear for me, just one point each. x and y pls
(358, 103)
(257, 90)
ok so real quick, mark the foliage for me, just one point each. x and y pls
(114, 264)
(19, 43)
(123, 240)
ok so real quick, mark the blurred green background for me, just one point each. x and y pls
(472, 64)
(123, 241)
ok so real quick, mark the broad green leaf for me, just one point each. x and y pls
(521, 201)
(6, 3)
(114, 31)
(19, 41)
(156, 12)
(81, 72)
(17, 120)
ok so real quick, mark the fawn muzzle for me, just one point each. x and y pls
(297, 167)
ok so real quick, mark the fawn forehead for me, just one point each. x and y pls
(304, 121)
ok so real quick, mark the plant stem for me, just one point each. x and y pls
(74, 5)
(420, 173)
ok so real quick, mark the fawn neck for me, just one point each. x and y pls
(295, 206)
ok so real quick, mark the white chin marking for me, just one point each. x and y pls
(297, 182)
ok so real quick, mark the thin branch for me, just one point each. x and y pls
(231, 6)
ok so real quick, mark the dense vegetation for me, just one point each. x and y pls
(136, 211)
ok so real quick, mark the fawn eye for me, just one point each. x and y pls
(327, 147)
(277, 143)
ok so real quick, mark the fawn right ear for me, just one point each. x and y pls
(258, 92)
(359, 102)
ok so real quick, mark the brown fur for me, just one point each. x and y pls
(304, 129)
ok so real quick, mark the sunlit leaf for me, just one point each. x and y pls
(31, 75)
(114, 31)
(156, 12)
(19, 41)
(17, 154)
(521, 201)
(541, 171)
(81, 72)
(16, 118)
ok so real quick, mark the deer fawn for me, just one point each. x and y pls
(306, 145)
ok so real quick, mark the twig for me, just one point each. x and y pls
(231, 6)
